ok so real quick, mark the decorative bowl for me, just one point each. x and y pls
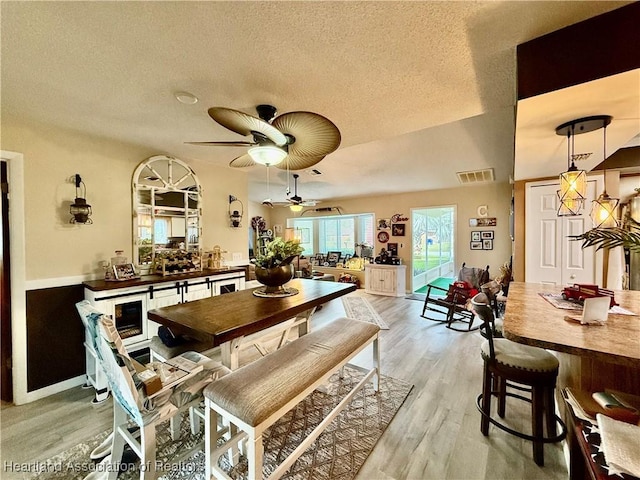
(274, 278)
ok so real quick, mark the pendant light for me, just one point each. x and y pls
(573, 182)
(604, 210)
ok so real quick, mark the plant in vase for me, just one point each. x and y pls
(273, 266)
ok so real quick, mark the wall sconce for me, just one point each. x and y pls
(235, 216)
(80, 210)
(573, 182)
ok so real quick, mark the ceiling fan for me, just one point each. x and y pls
(298, 139)
(296, 200)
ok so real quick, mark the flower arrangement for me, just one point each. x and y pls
(278, 252)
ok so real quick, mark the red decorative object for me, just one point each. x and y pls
(580, 291)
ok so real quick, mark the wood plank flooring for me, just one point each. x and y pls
(435, 434)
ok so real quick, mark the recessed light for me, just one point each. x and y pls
(186, 98)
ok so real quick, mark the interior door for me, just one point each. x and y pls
(551, 257)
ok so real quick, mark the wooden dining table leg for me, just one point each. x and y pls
(230, 351)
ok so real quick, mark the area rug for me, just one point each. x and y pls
(359, 308)
(338, 453)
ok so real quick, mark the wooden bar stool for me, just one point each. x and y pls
(525, 368)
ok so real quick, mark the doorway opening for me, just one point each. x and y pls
(432, 247)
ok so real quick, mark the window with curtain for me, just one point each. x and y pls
(333, 234)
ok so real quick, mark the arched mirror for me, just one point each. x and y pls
(167, 207)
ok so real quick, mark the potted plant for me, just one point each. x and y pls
(273, 266)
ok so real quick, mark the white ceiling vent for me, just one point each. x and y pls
(476, 176)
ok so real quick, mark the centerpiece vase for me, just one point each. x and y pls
(274, 278)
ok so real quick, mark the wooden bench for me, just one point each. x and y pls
(254, 397)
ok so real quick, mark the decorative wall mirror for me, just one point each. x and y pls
(167, 208)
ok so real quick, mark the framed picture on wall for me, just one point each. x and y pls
(392, 248)
(476, 245)
(475, 236)
(384, 224)
(487, 235)
(487, 244)
(397, 229)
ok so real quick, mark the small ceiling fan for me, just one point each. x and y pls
(299, 139)
(295, 200)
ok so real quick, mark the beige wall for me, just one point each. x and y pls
(54, 247)
(467, 199)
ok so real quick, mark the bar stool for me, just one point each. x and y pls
(525, 368)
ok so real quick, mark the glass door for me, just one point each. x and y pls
(432, 247)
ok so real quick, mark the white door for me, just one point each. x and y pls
(551, 257)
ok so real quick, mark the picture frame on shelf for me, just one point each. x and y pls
(333, 258)
(476, 245)
(487, 244)
(475, 236)
(124, 271)
(487, 235)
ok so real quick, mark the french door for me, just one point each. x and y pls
(432, 245)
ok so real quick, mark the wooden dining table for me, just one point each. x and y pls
(224, 320)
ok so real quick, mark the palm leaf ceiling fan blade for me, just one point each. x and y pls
(242, 161)
(296, 162)
(224, 144)
(313, 134)
(245, 124)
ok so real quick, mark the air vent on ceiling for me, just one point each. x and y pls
(476, 176)
(314, 171)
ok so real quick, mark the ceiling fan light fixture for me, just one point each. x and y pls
(267, 155)
(295, 208)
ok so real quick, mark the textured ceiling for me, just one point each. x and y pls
(419, 90)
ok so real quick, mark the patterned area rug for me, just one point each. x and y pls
(359, 308)
(338, 453)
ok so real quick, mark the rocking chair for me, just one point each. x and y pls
(451, 303)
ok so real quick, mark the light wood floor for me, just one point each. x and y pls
(435, 434)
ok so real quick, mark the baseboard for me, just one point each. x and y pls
(51, 390)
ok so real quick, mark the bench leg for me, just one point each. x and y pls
(255, 452)
(210, 437)
(376, 364)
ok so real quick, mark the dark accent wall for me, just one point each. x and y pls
(55, 336)
(596, 48)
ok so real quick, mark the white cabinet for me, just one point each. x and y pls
(385, 280)
(228, 285)
(128, 306)
(196, 290)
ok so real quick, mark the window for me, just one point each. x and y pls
(335, 233)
